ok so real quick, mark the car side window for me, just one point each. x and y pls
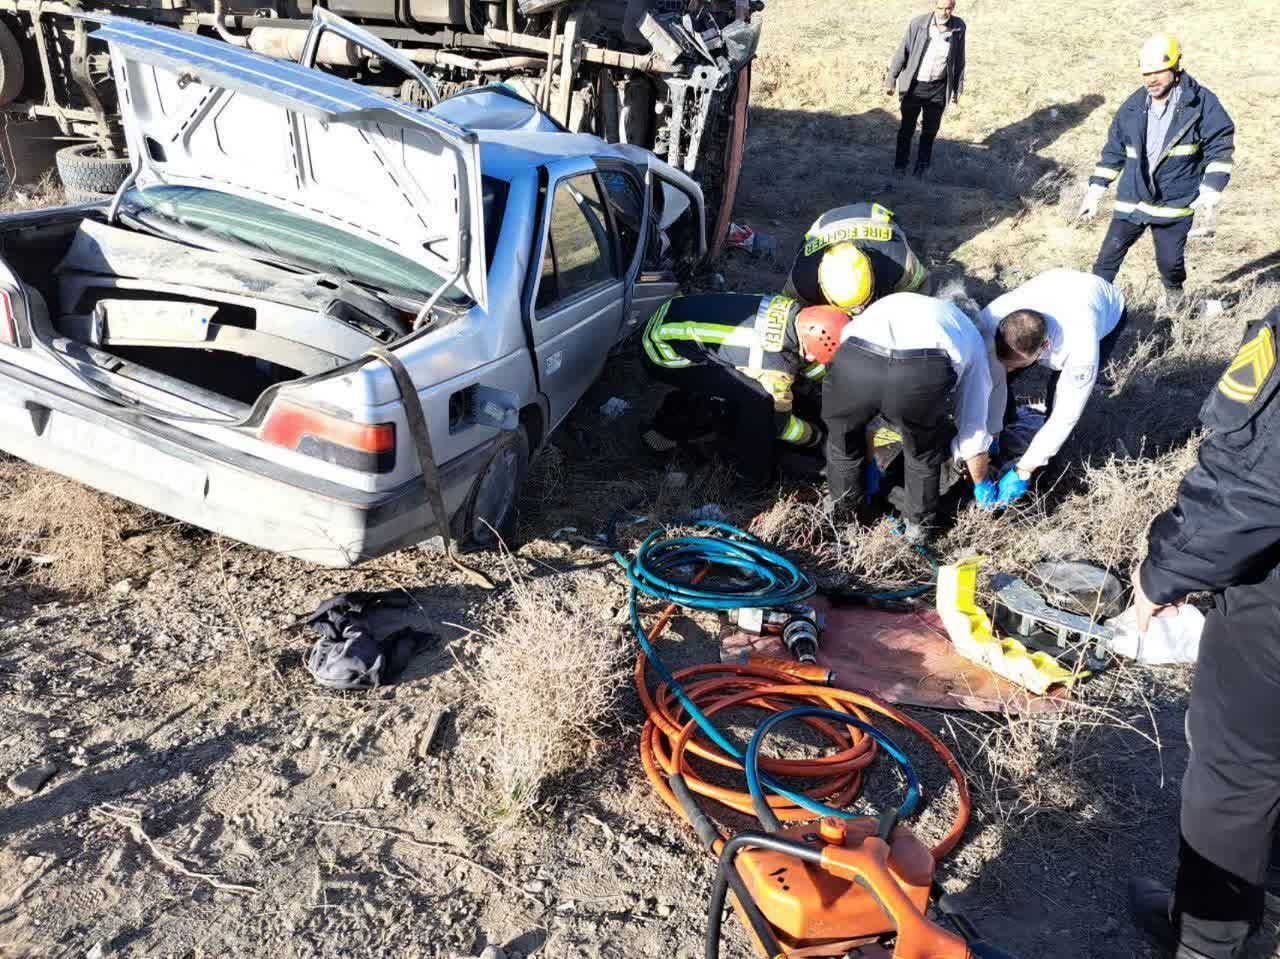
(672, 245)
(579, 254)
(626, 198)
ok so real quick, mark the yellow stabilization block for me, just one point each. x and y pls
(970, 630)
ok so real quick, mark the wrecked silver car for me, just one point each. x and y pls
(199, 345)
(672, 76)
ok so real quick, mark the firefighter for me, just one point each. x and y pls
(745, 354)
(1222, 536)
(1067, 321)
(852, 256)
(1170, 148)
(901, 358)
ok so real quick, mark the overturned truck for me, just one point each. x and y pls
(669, 75)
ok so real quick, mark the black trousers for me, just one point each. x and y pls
(1106, 346)
(1231, 789)
(915, 102)
(1170, 242)
(745, 425)
(909, 389)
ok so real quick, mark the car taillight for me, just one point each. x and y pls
(8, 321)
(361, 446)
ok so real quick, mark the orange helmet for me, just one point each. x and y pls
(818, 329)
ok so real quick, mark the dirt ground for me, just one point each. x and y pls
(205, 798)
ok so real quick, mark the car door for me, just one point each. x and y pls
(576, 294)
(627, 194)
(671, 247)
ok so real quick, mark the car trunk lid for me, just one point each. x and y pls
(205, 113)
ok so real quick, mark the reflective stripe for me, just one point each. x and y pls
(657, 351)
(1185, 150)
(1220, 166)
(814, 371)
(717, 333)
(1168, 212)
(797, 431)
(880, 214)
(1105, 173)
(1131, 152)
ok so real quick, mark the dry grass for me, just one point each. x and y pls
(549, 678)
(47, 191)
(55, 531)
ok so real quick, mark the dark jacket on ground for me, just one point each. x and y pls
(906, 62)
(1224, 529)
(1198, 150)
(872, 229)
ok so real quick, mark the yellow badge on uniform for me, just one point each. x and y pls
(1251, 368)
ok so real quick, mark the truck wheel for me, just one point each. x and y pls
(83, 169)
(491, 514)
(12, 66)
(720, 188)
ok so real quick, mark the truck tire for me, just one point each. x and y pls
(12, 66)
(725, 139)
(491, 512)
(82, 169)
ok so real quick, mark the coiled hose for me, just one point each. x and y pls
(684, 703)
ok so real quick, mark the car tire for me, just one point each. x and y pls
(83, 169)
(87, 196)
(13, 66)
(491, 508)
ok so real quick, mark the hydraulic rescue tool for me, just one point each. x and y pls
(818, 879)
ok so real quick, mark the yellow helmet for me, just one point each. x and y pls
(1161, 52)
(845, 276)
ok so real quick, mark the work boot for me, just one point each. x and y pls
(1172, 299)
(1184, 936)
(899, 171)
(921, 172)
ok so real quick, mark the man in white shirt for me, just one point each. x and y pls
(1065, 320)
(901, 358)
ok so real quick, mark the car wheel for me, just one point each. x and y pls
(491, 513)
(12, 66)
(83, 169)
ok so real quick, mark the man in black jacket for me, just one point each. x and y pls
(1170, 147)
(927, 72)
(1223, 537)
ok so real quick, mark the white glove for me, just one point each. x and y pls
(1092, 197)
(1207, 201)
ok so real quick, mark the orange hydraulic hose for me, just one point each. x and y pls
(836, 779)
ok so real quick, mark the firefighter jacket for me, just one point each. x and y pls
(752, 335)
(1224, 529)
(1198, 151)
(873, 230)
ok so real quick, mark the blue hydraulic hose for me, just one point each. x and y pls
(752, 762)
(771, 580)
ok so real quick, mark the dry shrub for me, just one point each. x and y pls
(47, 191)
(864, 555)
(55, 528)
(550, 676)
(1104, 521)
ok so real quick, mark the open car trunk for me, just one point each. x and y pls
(224, 325)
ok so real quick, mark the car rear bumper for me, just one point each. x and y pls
(156, 465)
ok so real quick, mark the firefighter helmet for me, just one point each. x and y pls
(845, 276)
(818, 329)
(1161, 52)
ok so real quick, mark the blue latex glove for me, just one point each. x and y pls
(871, 476)
(1012, 487)
(986, 494)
